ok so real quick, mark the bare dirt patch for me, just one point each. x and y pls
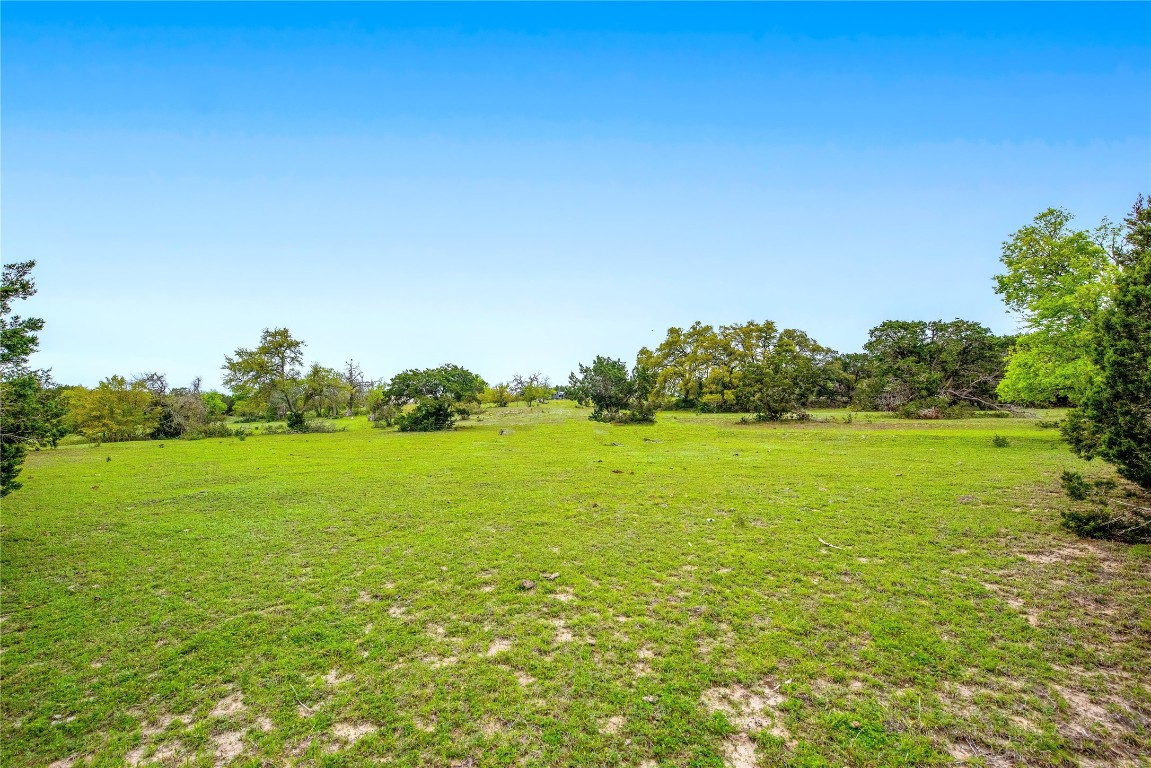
(230, 705)
(749, 711)
(613, 725)
(491, 727)
(334, 678)
(1067, 553)
(563, 634)
(739, 751)
(350, 733)
(227, 746)
(499, 646)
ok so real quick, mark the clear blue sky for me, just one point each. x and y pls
(519, 187)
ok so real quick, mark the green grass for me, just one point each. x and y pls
(352, 598)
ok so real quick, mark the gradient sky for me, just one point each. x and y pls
(521, 187)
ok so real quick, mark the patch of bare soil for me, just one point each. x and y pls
(334, 678)
(499, 646)
(491, 727)
(349, 733)
(563, 634)
(227, 746)
(739, 751)
(613, 725)
(230, 705)
(749, 711)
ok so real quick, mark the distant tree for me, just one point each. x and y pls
(785, 377)
(682, 363)
(356, 385)
(1114, 419)
(921, 366)
(1058, 279)
(439, 396)
(718, 370)
(324, 390)
(216, 405)
(531, 389)
(179, 410)
(271, 373)
(382, 408)
(30, 412)
(616, 394)
(500, 395)
(114, 411)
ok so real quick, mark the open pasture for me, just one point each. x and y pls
(536, 589)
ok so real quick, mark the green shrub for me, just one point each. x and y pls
(211, 430)
(428, 416)
(991, 415)
(1101, 514)
(297, 422)
(999, 441)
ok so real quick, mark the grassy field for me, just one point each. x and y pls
(536, 589)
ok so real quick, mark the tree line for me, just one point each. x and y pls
(1080, 295)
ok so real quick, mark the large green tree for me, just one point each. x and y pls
(615, 393)
(30, 412)
(703, 367)
(116, 410)
(784, 377)
(919, 366)
(1057, 279)
(1114, 419)
(439, 396)
(271, 373)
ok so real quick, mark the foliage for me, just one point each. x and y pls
(748, 366)
(30, 413)
(1106, 514)
(924, 368)
(786, 376)
(115, 410)
(325, 390)
(531, 389)
(216, 405)
(428, 416)
(1057, 279)
(382, 411)
(1114, 420)
(440, 396)
(270, 374)
(617, 395)
(500, 395)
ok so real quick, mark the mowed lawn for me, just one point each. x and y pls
(874, 593)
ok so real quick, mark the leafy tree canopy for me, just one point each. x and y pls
(439, 395)
(30, 413)
(1114, 420)
(270, 373)
(925, 364)
(1058, 279)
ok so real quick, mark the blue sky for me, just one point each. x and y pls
(521, 187)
